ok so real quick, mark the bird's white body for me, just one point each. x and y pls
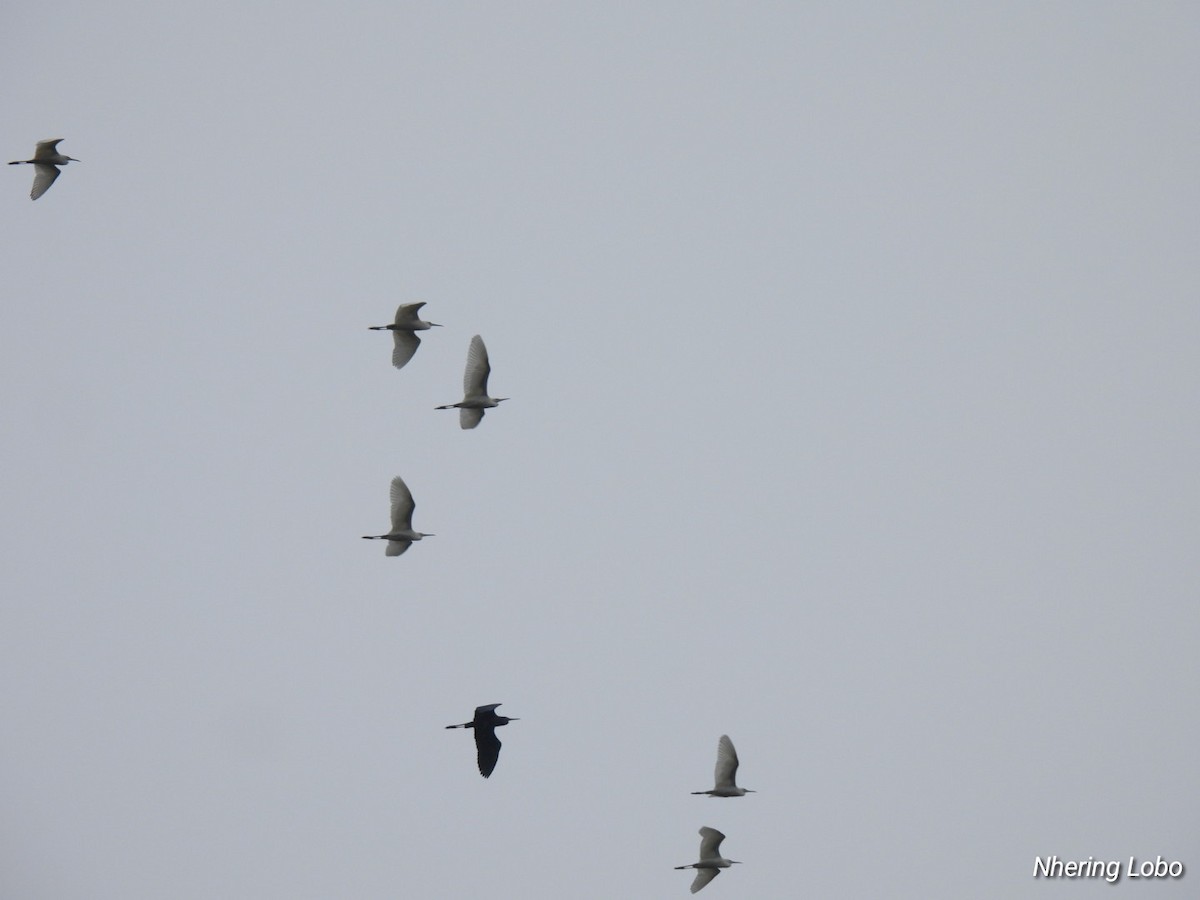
(475, 396)
(725, 783)
(401, 536)
(405, 341)
(711, 861)
(45, 162)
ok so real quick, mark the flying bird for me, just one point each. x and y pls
(487, 745)
(404, 332)
(401, 536)
(711, 861)
(45, 162)
(475, 396)
(727, 766)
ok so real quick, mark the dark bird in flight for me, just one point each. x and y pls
(487, 745)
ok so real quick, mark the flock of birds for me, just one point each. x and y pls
(471, 408)
(711, 862)
(476, 400)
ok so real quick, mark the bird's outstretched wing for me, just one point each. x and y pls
(703, 877)
(47, 148)
(475, 378)
(396, 548)
(404, 346)
(469, 418)
(407, 312)
(727, 763)
(710, 842)
(43, 176)
(402, 507)
(487, 750)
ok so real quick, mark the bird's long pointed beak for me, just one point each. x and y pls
(435, 324)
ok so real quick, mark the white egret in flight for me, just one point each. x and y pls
(401, 536)
(46, 160)
(475, 396)
(487, 745)
(711, 861)
(727, 766)
(404, 330)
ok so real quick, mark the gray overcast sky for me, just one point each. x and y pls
(853, 356)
